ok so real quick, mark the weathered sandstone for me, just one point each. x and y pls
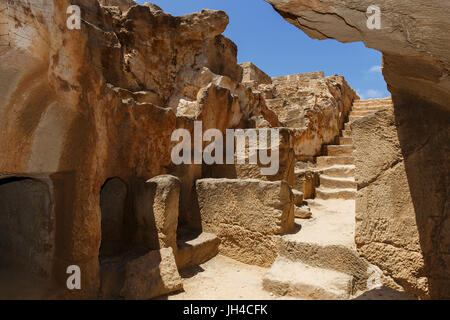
(194, 251)
(312, 106)
(247, 215)
(87, 179)
(253, 76)
(412, 38)
(402, 233)
(156, 207)
(410, 155)
(102, 102)
(151, 275)
(286, 162)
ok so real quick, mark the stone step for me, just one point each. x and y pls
(339, 171)
(369, 104)
(324, 193)
(361, 112)
(370, 108)
(337, 182)
(354, 118)
(299, 280)
(329, 161)
(340, 150)
(327, 240)
(345, 141)
(195, 250)
(346, 133)
(372, 101)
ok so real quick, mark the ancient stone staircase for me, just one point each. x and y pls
(337, 167)
(337, 170)
(320, 261)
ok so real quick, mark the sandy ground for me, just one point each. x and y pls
(222, 278)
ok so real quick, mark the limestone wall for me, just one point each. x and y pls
(401, 158)
(247, 215)
(412, 38)
(82, 106)
(401, 211)
(252, 75)
(312, 106)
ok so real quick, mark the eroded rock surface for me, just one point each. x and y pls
(412, 38)
(151, 275)
(312, 106)
(101, 102)
(402, 158)
(247, 215)
(401, 211)
(82, 109)
(157, 208)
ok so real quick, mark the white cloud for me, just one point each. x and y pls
(373, 94)
(370, 94)
(375, 69)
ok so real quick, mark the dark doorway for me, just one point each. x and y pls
(113, 198)
(26, 238)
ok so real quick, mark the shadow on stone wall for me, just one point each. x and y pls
(424, 136)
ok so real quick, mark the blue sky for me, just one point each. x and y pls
(279, 48)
